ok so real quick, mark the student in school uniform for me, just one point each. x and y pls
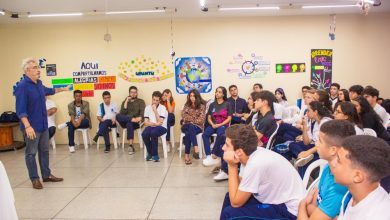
(360, 163)
(156, 117)
(324, 201)
(334, 93)
(169, 103)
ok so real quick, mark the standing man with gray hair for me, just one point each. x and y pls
(31, 109)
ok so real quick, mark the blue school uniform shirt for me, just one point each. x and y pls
(31, 103)
(330, 194)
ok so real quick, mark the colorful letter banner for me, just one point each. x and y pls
(62, 86)
(107, 79)
(104, 86)
(321, 68)
(84, 86)
(62, 81)
(290, 67)
(193, 73)
(88, 93)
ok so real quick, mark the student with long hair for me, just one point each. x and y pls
(193, 118)
(344, 95)
(369, 118)
(323, 97)
(169, 103)
(347, 111)
(281, 97)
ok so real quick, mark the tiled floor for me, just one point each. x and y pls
(115, 186)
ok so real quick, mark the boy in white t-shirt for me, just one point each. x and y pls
(268, 186)
(106, 114)
(361, 162)
(51, 118)
(155, 116)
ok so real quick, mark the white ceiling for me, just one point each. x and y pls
(185, 8)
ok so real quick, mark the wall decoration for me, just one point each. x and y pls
(193, 73)
(89, 78)
(252, 66)
(290, 67)
(321, 68)
(51, 70)
(42, 62)
(144, 70)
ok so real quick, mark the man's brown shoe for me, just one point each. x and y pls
(52, 178)
(37, 184)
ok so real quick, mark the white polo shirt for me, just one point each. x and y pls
(272, 180)
(382, 114)
(50, 119)
(110, 111)
(161, 111)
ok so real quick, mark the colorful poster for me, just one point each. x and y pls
(290, 67)
(193, 73)
(321, 68)
(51, 70)
(248, 67)
(144, 70)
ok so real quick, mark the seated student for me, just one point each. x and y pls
(193, 118)
(267, 187)
(322, 96)
(265, 124)
(347, 111)
(238, 105)
(248, 117)
(281, 97)
(130, 115)
(360, 163)
(334, 93)
(355, 91)
(325, 200)
(300, 102)
(344, 96)
(106, 115)
(386, 106)
(79, 117)
(169, 103)
(305, 145)
(218, 116)
(372, 94)
(155, 125)
(257, 87)
(370, 118)
(51, 118)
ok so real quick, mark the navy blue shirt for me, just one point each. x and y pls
(31, 103)
(239, 106)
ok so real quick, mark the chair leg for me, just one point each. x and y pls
(53, 143)
(123, 138)
(164, 144)
(114, 138)
(141, 142)
(181, 144)
(200, 145)
(85, 138)
(97, 143)
(76, 138)
(172, 138)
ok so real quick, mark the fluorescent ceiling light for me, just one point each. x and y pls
(328, 6)
(249, 8)
(2, 13)
(202, 3)
(55, 15)
(133, 12)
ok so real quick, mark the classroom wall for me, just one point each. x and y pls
(360, 52)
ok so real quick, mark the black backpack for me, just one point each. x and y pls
(9, 116)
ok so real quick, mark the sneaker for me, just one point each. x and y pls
(216, 170)
(303, 161)
(148, 157)
(131, 149)
(71, 149)
(209, 161)
(283, 147)
(95, 139)
(221, 176)
(62, 126)
(107, 150)
(156, 158)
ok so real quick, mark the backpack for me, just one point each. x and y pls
(9, 116)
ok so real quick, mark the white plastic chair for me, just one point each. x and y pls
(369, 131)
(164, 145)
(113, 136)
(124, 135)
(271, 139)
(172, 145)
(86, 137)
(318, 163)
(53, 143)
(200, 144)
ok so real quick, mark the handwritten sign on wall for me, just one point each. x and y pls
(321, 68)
